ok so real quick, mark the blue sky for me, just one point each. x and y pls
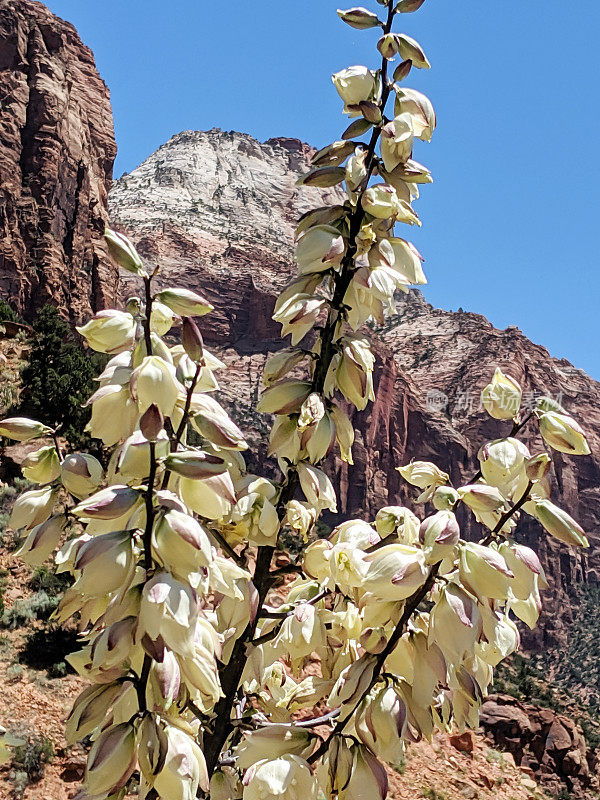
(510, 227)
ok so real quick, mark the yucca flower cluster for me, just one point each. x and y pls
(203, 681)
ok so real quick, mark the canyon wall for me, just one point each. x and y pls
(57, 149)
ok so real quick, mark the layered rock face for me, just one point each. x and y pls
(549, 744)
(57, 150)
(217, 211)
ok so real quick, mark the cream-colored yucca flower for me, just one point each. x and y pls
(288, 777)
(527, 569)
(155, 382)
(298, 315)
(381, 723)
(109, 503)
(81, 474)
(426, 476)
(254, 516)
(114, 414)
(484, 571)
(354, 372)
(200, 672)
(400, 521)
(22, 429)
(319, 249)
(109, 331)
(563, 433)
(381, 201)
(317, 487)
(111, 760)
(212, 422)
(211, 497)
(123, 252)
(184, 770)
(411, 49)
(302, 632)
(482, 498)
(355, 85)
(90, 710)
(42, 540)
(168, 609)
(407, 262)
(105, 563)
(32, 508)
(355, 532)
(502, 460)
(368, 777)
(421, 110)
(182, 546)
(502, 396)
(273, 741)
(455, 623)
(439, 535)
(502, 637)
(395, 572)
(161, 319)
(280, 363)
(41, 466)
(397, 141)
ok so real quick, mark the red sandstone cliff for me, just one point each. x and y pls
(57, 149)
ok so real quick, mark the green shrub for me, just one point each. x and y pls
(32, 757)
(58, 378)
(39, 606)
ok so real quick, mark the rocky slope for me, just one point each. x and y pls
(216, 210)
(57, 149)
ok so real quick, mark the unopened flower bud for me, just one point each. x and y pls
(192, 341)
(185, 302)
(133, 306)
(286, 397)
(151, 423)
(123, 252)
(22, 429)
(359, 18)
(559, 524)
(109, 503)
(481, 498)
(402, 70)
(195, 464)
(323, 177)
(388, 45)
(562, 433)
(406, 6)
